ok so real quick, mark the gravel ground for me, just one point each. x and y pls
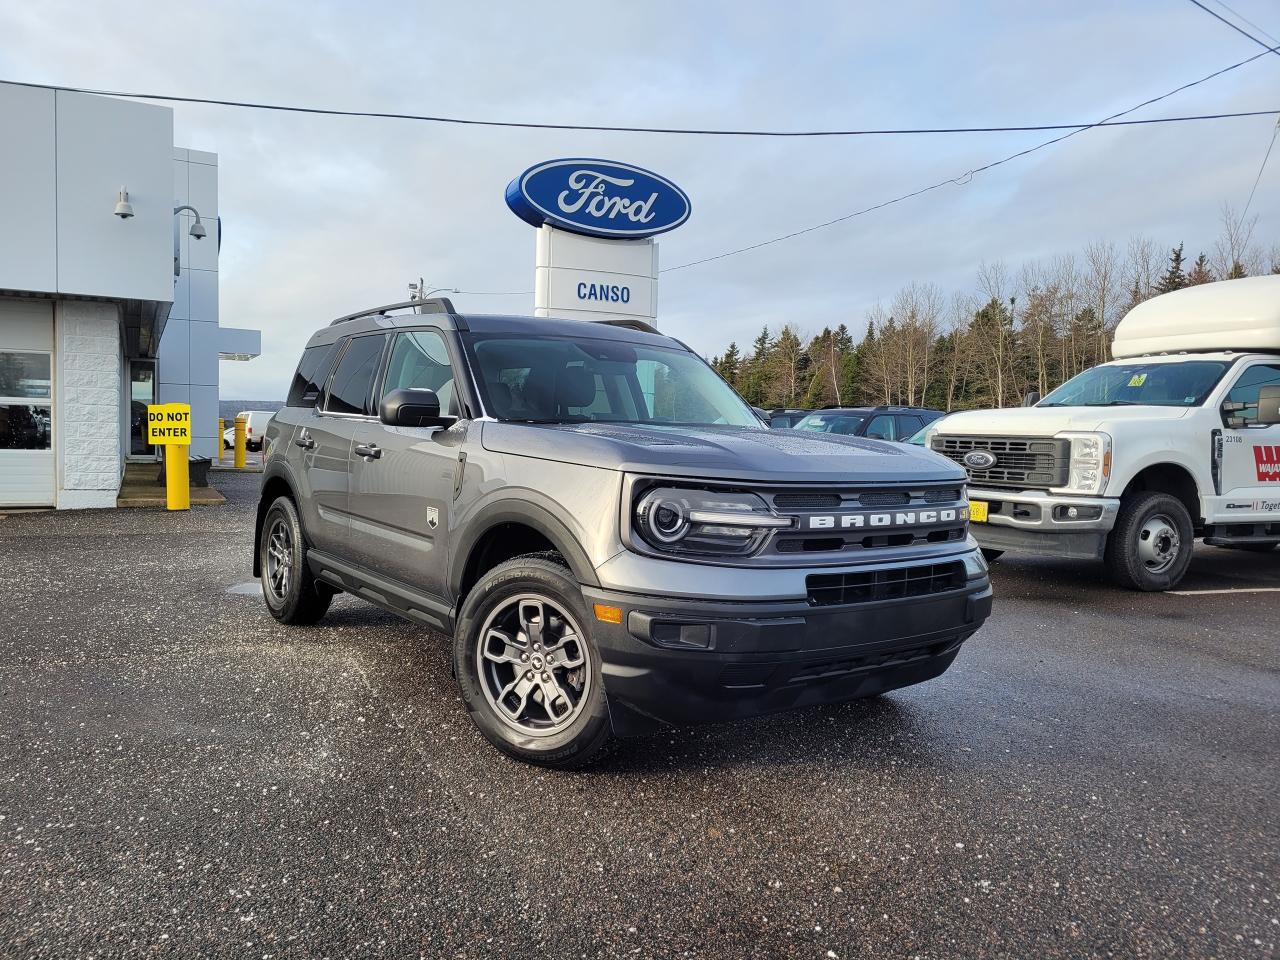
(181, 776)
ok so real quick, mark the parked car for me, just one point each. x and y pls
(784, 419)
(611, 536)
(880, 423)
(254, 431)
(1178, 437)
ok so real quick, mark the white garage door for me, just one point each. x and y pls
(26, 404)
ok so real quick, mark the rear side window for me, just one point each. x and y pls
(881, 428)
(313, 370)
(353, 380)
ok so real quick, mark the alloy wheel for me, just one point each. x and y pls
(279, 565)
(533, 664)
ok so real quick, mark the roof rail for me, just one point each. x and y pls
(629, 324)
(432, 305)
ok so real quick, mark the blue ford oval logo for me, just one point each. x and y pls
(598, 198)
(980, 459)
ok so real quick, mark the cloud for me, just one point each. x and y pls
(326, 215)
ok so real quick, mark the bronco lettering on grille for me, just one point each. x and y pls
(896, 518)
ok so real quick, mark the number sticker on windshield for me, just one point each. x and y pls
(1137, 380)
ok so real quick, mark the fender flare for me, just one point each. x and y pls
(511, 510)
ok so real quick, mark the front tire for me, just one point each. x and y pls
(1150, 546)
(529, 671)
(292, 594)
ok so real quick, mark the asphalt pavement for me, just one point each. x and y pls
(1096, 776)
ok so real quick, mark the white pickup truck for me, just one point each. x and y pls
(1129, 462)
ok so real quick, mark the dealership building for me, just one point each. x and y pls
(109, 240)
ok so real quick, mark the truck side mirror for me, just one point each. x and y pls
(1031, 399)
(412, 407)
(1269, 406)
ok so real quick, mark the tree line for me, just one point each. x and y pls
(1012, 333)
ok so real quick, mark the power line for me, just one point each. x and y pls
(594, 128)
(1237, 29)
(965, 178)
(1258, 179)
(1243, 19)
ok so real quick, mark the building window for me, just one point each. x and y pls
(142, 392)
(26, 404)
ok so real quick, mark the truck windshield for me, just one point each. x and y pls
(560, 379)
(1178, 384)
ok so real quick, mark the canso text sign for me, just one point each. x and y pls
(169, 423)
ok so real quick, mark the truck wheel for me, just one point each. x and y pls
(1150, 546)
(292, 594)
(528, 669)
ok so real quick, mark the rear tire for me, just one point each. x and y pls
(292, 594)
(1150, 546)
(529, 671)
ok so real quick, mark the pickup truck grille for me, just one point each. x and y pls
(830, 589)
(1021, 462)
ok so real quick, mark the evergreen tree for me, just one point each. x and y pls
(1174, 278)
(1200, 272)
(728, 365)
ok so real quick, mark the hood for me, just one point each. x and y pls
(1046, 421)
(724, 453)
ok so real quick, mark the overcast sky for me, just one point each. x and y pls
(325, 215)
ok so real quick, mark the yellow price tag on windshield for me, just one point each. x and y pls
(1137, 380)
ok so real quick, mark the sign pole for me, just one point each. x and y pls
(177, 482)
(169, 425)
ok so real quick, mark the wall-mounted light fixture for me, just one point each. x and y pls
(197, 229)
(124, 209)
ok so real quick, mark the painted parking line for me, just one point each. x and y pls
(1204, 593)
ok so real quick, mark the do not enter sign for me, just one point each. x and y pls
(169, 423)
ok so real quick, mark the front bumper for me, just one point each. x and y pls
(1036, 521)
(686, 661)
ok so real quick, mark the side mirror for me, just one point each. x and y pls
(1269, 406)
(1031, 399)
(412, 407)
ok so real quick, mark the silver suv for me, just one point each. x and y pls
(612, 537)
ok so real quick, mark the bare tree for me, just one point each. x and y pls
(1233, 252)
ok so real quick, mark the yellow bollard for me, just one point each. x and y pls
(241, 426)
(222, 429)
(177, 482)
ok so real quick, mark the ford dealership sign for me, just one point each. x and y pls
(598, 198)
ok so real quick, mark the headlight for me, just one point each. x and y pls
(707, 522)
(1090, 462)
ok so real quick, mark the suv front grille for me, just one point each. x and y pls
(1022, 462)
(837, 501)
(832, 589)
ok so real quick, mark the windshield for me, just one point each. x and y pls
(1139, 383)
(559, 379)
(846, 423)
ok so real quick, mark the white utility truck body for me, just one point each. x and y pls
(1177, 437)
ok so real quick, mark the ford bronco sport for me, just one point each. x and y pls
(612, 537)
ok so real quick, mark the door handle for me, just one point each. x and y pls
(370, 451)
(303, 439)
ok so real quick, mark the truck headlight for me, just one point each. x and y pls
(677, 520)
(1090, 466)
